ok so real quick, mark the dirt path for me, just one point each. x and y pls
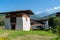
(33, 37)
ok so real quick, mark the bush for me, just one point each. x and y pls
(58, 38)
(4, 38)
(56, 27)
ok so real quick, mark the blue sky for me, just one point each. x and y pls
(36, 6)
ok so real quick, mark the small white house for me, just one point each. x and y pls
(18, 20)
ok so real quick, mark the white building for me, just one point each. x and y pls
(18, 20)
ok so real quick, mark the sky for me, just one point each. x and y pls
(37, 6)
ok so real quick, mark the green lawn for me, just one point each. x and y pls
(16, 33)
(27, 35)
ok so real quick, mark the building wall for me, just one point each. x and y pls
(19, 23)
(7, 24)
(22, 22)
(26, 23)
(46, 24)
(34, 27)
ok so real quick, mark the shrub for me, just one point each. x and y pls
(4, 38)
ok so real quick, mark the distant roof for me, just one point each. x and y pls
(19, 11)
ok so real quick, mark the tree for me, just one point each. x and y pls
(56, 24)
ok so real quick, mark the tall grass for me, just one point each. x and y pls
(15, 33)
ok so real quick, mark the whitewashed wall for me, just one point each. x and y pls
(26, 24)
(19, 23)
(7, 24)
(46, 24)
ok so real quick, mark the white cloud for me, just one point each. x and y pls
(38, 12)
(59, 7)
(48, 10)
(54, 8)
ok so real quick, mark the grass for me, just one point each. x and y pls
(57, 38)
(15, 33)
(24, 35)
(4, 38)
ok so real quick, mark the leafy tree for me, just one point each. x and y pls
(54, 22)
(56, 26)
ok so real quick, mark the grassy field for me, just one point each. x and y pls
(25, 35)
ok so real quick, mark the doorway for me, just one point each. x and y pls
(12, 27)
(13, 23)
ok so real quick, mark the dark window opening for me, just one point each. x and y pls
(13, 19)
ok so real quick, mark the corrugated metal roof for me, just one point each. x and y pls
(19, 11)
